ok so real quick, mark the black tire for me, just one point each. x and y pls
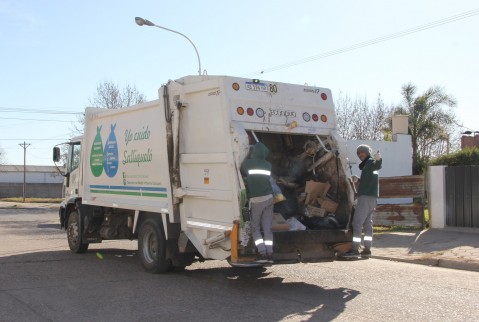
(74, 235)
(152, 247)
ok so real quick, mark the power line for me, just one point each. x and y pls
(370, 42)
(61, 137)
(33, 139)
(40, 111)
(40, 120)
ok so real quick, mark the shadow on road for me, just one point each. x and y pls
(200, 293)
(300, 300)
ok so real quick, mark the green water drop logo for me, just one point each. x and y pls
(96, 155)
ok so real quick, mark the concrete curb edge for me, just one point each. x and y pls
(438, 262)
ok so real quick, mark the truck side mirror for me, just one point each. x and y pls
(56, 154)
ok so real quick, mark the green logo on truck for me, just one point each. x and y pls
(106, 157)
(96, 155)
(110, 161)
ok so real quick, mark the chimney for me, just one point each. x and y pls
(469, 141)
(400, 124)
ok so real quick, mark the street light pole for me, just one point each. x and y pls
(24, 146)
(144, 22)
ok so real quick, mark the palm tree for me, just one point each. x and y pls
(429, 122)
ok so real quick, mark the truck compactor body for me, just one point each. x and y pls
(167, 172)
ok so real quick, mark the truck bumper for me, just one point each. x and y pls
(310, 245)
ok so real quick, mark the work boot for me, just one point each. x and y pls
(353, 253)
(366, 252)
(270, 259)
(261, 259)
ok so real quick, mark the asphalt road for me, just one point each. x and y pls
(40, 280)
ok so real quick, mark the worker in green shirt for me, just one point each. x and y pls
(257, 172)
(368, 192)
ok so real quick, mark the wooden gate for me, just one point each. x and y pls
(406, 215)
(462, 196)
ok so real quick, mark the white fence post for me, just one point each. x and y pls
(437, 197)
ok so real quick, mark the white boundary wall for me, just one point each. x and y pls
(397, 160)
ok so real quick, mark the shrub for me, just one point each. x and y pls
(468, 156)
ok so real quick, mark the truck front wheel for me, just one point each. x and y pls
(152, 247)
(74, 234)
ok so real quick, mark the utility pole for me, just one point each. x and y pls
(24, 145)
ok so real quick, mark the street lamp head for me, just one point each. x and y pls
(467, 132)
(140, 22)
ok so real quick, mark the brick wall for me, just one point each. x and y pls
(469, 141)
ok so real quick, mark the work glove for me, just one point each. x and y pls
(377, 156)
(354, 178)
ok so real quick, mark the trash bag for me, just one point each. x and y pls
(321, 223)
(288, 207)
(295, 224)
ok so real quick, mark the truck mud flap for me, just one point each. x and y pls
(310, 245)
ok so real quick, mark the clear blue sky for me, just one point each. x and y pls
(54, 53)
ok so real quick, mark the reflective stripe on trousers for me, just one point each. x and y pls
(259, 241)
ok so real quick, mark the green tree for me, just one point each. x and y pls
(467, 156)
(431, 122)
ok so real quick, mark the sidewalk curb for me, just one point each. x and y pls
(437, 262)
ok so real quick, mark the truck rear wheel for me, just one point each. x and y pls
(152, 247)
(74, 234)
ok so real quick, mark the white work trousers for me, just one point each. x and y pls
(262, 217)
(363, 216)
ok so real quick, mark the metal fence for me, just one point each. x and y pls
(462, 196)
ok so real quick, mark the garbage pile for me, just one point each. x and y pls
(311, 209)
(306, 194)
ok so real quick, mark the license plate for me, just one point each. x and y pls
(259, 87)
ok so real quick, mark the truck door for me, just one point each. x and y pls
(73, 170)
(208, 172)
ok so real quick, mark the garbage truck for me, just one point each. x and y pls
(167, 174)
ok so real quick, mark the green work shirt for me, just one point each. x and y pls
(369, 182)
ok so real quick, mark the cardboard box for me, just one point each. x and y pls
(312, 211)
(279, 223)
(328, 204)
(315, 190)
